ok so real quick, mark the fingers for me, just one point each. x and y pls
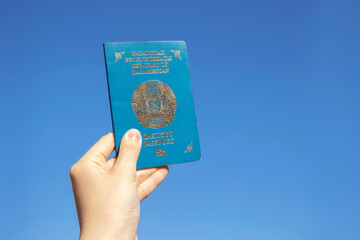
(149, 185)
(143, 174)
(102, 149)
(110, 163)
(129, 151)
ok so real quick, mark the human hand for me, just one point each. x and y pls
(108, 193)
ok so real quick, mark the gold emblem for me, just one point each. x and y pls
(154, 104)
(176, 53)
(118, 55)
(189, 148)
(160, 152)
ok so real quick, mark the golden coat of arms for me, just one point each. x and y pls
(154, 104)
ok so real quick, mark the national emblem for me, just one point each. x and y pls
(154, 104)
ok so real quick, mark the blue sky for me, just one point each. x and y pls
(276, 88)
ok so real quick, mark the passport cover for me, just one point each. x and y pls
(150, 90)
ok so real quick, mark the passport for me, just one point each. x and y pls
(150, 90)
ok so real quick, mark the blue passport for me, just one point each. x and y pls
(150, 90)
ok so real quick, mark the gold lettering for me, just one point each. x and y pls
(150, 71)
(148, 53)
(156, 139)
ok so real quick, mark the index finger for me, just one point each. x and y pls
(102, 149)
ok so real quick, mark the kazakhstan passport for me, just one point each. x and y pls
(150, 90)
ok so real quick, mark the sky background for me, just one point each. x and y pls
(276, 88)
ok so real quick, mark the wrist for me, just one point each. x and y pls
(103, 235)
(127, 232)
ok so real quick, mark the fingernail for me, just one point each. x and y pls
(134, 134)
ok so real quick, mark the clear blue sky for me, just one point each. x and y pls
(276, 87)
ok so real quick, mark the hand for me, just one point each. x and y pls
(108, 193)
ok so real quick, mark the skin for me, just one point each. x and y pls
(108, 192)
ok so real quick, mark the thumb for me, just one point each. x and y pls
(129, 151)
